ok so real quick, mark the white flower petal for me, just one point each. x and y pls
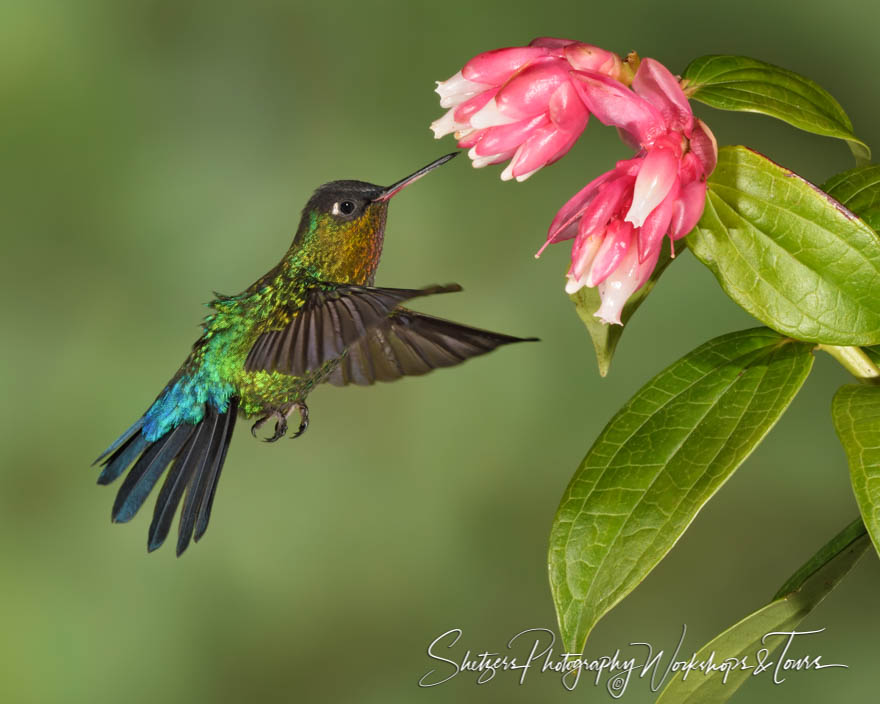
(573, 285)
(523, 177)
(490, 116)
(457, 89)
(445, 125)
(480, 161)
(655, 178)
(625, 280)
(507, 174)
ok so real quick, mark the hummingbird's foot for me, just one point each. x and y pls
(280, 426)
(303, 417)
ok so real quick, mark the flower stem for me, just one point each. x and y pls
(855, 361)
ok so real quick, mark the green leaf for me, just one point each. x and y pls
(797, 598)
(605, 337)
(873, 353)
(658, 461)
(748, 85)
(787, 253)
(856, 414)
(859, 190)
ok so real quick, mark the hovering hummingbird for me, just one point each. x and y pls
(314, 318)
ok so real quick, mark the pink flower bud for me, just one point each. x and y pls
(551, 42)
(585, 57)
(528, 93)
(495, 67)
(607, 205)
(704, 146)
(505, 138)
(655, 179)
(582, 256)
(658, 222)
(658, 86)
(544, 146)
(561, 227)
(688, 209)
(617, 242)
(614, 104)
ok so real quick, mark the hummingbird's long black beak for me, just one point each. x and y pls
(403, 183)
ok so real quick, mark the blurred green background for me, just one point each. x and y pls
(154, 151)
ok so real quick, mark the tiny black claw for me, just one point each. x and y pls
(303, 419)
(259, 424)
(280, 430)
(280, 426)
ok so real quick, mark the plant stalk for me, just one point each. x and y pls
(855, 361)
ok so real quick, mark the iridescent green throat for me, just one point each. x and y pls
(331, 250)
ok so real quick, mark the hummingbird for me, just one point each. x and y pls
(314, 318)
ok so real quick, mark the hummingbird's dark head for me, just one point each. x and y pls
(343, 224)
(345, 201)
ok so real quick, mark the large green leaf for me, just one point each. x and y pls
(605, 337)
(658, 461)
(856, 414)
(859, 190)
(797, 598)
(748, 85)
(787, 253)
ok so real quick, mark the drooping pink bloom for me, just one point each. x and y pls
(618, 221)
(521, 103)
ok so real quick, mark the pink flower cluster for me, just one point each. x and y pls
(521, 103)
(530, 104)
(618, 221)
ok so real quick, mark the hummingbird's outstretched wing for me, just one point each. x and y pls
(407, 343)
(333, 318)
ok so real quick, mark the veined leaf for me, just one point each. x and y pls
(797, 598)
(658, 461)
(856, 414)
(748, 85)
(605, 337)
(788, 253)
(859, 190)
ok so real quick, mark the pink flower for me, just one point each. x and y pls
(521, 103)
(618, 221)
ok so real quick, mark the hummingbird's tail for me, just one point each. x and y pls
(195, 451)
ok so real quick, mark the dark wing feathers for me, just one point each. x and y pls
(330, 321)
(412, 344)
(195, 453)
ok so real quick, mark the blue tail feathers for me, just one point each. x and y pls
(193, 440)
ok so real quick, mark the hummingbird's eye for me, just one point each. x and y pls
(346, 207)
